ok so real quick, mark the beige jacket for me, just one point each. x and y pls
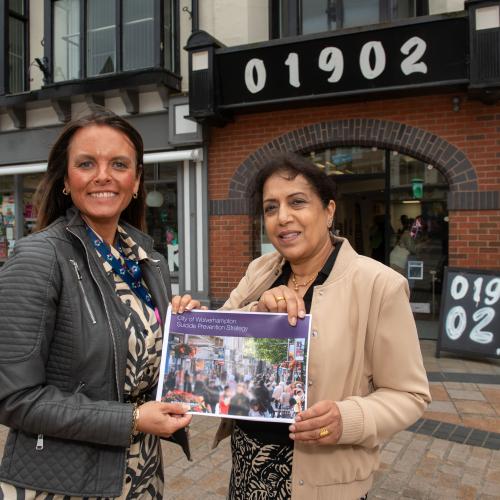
(364, 354)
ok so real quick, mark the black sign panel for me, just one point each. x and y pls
(424, 53)
(470, 313)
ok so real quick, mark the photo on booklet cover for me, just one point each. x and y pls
(242, 365)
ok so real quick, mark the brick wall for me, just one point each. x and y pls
(475, 130)
(475, 239)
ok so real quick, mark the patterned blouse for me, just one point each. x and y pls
(144, 470)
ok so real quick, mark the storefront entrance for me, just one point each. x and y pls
(393, 208)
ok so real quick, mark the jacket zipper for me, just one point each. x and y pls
(39, 443)
(113, 337)
(157, 265)
(39, 439)
(82, 289)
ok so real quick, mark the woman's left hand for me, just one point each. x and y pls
(320, 424)
(185, 303)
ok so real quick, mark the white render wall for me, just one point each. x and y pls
(235, 22)
(443, 6)
(232, 22)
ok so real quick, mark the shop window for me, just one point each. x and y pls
(300, 17)
(162, 213)
(17, 216)
(138, 31)
(13, 76)
(66, 40)
(418, 214)
(101, 37)
(118, 36)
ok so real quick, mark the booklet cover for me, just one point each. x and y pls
(242, 365)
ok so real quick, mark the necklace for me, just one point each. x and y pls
(297, 285)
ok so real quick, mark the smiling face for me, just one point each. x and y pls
(295, 219)
(102, 174)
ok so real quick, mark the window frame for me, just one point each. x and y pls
(293, 21)
(5, 15)
(158, 39)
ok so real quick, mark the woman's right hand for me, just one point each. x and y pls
(284, 300)
(162, 419)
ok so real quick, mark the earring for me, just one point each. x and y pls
(330, 222)
(134, 196)
(65, 191)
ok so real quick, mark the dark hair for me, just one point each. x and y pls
(292, 165)
(50, 201)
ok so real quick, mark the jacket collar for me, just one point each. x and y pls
(75, 222)
(345, 257)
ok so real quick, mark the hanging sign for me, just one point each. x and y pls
(470, 313)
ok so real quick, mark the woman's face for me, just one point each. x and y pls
(295, 219)
(102, 173)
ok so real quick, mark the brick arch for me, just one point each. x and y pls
(405, 139)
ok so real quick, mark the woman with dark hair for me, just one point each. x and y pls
(366, 379)
(82, 302)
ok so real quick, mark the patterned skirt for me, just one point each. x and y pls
(260, 472)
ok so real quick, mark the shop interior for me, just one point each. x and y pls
(17, 217)
(162, 212)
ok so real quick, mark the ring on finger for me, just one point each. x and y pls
(323, 432)
(277, 299)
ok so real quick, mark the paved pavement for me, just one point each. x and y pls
(453, 452)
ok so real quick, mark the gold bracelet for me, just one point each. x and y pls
(135, 418)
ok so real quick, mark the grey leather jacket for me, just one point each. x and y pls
(63, 351)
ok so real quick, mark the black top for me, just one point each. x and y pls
(278, 433)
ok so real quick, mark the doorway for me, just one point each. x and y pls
(393, 208)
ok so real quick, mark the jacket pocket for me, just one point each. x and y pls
(39, 438)
(66, 467)
(82, 290)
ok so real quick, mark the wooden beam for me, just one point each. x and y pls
(131, 100)
(63, 109)
(17, 115)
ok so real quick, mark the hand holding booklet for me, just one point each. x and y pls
(245, 365)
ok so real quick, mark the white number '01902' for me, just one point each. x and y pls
(412, 63)
(255, 75)
(456, 319)
(331, 59)
(370, 72)
(372, 63)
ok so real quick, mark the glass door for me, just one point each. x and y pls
(162, 217)
(360, 176)
(420, 251)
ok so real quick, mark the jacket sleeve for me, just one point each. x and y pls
(30, 284)
(401, 390)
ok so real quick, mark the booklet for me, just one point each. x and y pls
(245, 365)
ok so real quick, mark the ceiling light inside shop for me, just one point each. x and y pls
(411, 201)
(154, 199)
